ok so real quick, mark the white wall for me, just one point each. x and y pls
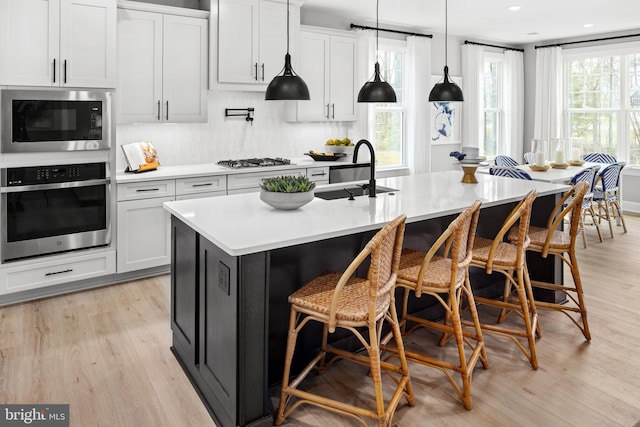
(233, 137)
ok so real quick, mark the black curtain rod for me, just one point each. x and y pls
(364, 27)
(493, 45)
(588, 41)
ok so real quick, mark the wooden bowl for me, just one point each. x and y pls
(539, 168)
(559, 165)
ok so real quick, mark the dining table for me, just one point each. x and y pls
(552, 174)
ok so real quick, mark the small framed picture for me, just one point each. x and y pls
(445, 117)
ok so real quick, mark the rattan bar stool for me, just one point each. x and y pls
(508, 258)
(550, 240)
(347, 302)
(446, 277)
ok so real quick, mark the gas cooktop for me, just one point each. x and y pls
(252, 163)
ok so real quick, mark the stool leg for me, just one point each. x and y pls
(575, 273)
(507, 292)
(476, 321)
(401, 354)
(526, 311)
(374, 372)
(291, 345)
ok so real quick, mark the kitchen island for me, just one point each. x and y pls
(235, 260)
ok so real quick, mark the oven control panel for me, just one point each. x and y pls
(33, 175)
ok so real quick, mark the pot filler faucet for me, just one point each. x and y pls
(372, 174)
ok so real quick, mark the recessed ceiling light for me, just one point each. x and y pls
(588, 25)
(532, 34)
(514, 8)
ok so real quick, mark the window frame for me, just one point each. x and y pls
(624, 110)
(388, 44)
(501, 144)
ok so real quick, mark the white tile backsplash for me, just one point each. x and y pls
(233, 137)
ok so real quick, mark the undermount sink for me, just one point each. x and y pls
(343, 193)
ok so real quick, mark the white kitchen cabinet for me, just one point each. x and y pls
(56, 270)
(58, 43)
(329, 67)
(162, 67)
(251, 40)
(318, 175)
(143, 227)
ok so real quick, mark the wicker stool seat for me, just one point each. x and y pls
(353, 304)
(552, 241)
(508, 258)
(446, 277)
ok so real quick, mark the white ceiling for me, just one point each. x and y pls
(490, 20)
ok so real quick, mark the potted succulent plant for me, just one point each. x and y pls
(287, 192)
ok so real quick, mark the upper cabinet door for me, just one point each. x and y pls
(58, 43)
(29, 42)
(238, 41)
(343, 73)
(185, 69)
(139, 66)
(328, 66)
(314, 67)
(273, 39)
(88, 43)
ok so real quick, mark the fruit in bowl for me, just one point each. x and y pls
(344, 142)
(343, 145)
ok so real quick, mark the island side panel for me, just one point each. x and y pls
(184, 294)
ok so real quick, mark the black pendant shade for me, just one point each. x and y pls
(377, 90)
(287, 85)
(446, 91)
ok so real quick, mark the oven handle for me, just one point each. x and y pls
(55, 186)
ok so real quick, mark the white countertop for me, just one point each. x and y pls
(242, 224)
(188, 171)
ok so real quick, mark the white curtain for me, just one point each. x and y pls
(364, 127)
(548, 98)
(417, 103)
(514, 103)
(473, 89)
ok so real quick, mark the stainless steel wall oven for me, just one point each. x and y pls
(49, 120)
(51, 209)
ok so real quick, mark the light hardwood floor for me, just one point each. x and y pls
(106, 353)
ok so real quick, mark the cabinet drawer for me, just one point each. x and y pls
(252, 180)
(205, 184)
(39, 275)
(146, 190)
(318, 174)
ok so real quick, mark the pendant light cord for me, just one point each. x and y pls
(377, 25)
(446, 30)
(287, 26)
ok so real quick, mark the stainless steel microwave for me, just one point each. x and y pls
(49, 121)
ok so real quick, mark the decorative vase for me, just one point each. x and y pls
(286, 201)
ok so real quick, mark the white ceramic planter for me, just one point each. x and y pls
(286, 201)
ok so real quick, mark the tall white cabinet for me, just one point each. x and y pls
(58, 43)
(251, 41)
(329, 67)
(162, 66)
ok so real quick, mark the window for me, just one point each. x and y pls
(493, 115)
(388, 118)
(602, 100)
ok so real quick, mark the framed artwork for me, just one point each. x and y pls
(445, 117)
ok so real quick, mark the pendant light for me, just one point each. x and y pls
(287, 84)
(447, 90)
(377, 90)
